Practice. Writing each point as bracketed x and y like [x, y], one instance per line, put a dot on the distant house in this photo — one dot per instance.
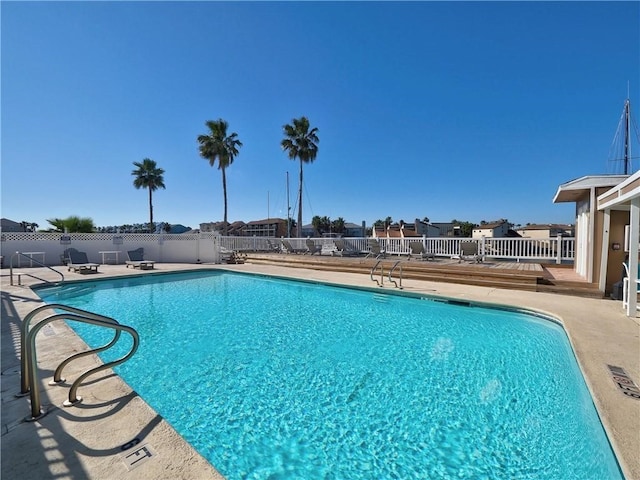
[499, 229]
[7, 225]
[354, 230]
[209, 227]
[350, 230]
[307, 230]
[269, 227]
[426, 229]
[447, 229]
[546, 231]
[418, 229]
[235, 229]
[177, 228]
[382, 231]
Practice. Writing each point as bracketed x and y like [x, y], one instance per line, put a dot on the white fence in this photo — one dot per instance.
[206, 247]
[48, 247]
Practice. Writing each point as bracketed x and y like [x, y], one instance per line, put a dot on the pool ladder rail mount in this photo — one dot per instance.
[393, 268]
[28, 363]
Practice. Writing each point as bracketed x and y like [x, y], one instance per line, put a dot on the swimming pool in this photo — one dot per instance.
[269, 378]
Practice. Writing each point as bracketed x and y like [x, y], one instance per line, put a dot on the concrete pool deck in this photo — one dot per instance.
[114, 434]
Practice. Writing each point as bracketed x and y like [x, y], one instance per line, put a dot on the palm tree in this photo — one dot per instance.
[73, 224]
[150, 176]
[217, 145]
[338, 225]
[300, 143]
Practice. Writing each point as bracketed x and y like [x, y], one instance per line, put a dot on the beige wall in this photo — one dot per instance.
[535, 233]
[616, 235]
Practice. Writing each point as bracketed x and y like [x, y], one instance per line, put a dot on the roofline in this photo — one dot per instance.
[586, 183]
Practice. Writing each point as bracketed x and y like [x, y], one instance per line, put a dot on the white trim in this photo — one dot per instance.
[592, 234]
[620, 198]
[634, 234]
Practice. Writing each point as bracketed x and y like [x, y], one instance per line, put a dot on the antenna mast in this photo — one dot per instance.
[627, 136]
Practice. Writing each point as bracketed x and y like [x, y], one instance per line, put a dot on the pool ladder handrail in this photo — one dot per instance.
[391, 270]
[18, 254]
[396, 264]
[29, 357]
[373, 269]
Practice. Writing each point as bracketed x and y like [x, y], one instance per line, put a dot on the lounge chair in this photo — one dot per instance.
[375, 249]
[233, 256]
[290, 249]
[274, 247]
[345, 249]
[78, 262]
[469, 251]
[136, 260]
[312, 248]
[417, 251]
[64, 258]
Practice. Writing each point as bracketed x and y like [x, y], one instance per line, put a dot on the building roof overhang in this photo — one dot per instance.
[576, 189]
[620, 196]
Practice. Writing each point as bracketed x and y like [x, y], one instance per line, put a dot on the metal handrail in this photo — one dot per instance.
[381, 282]
[31, 259]
[30, 373]
[399, 262]
[24, 330]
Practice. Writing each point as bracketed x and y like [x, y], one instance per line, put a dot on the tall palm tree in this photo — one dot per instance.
[300, 142]
[150, 176]
[217, 145]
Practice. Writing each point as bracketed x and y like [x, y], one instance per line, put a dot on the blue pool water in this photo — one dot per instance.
[277, 379]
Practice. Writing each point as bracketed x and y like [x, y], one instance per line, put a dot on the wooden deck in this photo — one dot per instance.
[497, 274]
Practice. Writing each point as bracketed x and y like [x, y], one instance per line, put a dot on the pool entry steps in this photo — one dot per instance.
[29, 363]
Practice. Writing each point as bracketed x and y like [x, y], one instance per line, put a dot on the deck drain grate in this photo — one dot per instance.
[624, 383]
[137, 456]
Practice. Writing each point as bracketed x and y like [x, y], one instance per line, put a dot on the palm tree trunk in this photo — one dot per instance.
[224, 190]
[151, 229]
[299, 226]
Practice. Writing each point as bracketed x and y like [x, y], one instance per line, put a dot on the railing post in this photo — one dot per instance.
[559, 247]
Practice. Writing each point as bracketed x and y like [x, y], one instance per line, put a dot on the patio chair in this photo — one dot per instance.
[64, 257]
[234, 256]
[290, 249]
[345, 249]
[469, 251]
[312, 248]
[136, 260]
[417, 251]
[273, 247]
[375, 249]
[78, 262]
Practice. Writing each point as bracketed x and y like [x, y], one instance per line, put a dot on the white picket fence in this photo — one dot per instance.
[47, 248]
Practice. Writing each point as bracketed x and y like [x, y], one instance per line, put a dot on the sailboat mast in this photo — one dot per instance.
[627, 136]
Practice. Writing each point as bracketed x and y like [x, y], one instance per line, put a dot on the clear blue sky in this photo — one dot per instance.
[473, 111]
